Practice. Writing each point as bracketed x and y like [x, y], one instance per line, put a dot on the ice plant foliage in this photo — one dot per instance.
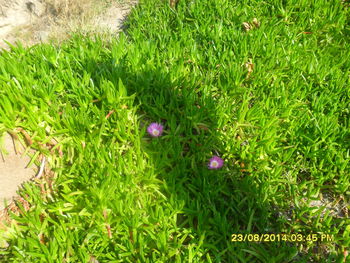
[155, 129]
[215, 162]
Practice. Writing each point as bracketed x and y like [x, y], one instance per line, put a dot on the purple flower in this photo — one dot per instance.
[155, 129]
[215, 162]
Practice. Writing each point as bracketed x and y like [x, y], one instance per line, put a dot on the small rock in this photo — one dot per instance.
[31, 7]
[35, 8]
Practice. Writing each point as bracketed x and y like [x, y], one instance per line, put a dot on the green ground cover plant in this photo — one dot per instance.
[271, 99]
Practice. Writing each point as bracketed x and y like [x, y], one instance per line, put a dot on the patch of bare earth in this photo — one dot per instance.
[14, 169]
[35, 21]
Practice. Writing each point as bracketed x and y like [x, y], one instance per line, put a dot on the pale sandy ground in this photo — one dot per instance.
[34, 21]
[13, 169]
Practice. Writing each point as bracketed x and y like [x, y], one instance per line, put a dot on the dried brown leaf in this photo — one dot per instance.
[246, 26]
[250, 67]
[255, 22]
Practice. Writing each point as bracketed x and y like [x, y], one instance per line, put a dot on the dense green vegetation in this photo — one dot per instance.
[272, 101]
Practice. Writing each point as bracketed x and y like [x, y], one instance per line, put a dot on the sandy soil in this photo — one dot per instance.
[37, 21]
[13, 169]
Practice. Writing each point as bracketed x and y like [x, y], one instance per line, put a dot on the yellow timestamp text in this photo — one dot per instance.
[282, 237]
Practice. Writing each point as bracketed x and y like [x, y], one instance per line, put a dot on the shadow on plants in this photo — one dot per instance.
[211, 205]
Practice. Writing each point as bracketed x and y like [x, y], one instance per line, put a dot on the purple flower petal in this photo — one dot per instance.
[215, 162]
[155, 129]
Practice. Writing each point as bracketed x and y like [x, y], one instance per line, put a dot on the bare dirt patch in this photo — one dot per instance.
[35, 21]
[14, 169]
